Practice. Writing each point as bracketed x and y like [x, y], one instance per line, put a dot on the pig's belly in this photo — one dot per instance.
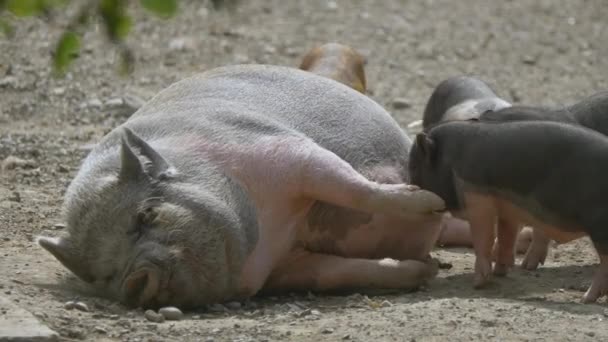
[561, 234]
[400, 238]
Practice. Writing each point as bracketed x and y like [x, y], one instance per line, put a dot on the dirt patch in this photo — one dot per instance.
[533, 51]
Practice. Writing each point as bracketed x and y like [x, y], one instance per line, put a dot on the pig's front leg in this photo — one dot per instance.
[481, 214]
[506, 233]
[304, 270]
[537, 250]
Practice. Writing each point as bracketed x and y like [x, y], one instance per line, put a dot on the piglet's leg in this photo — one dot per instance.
[304, 270]
[524, 240]
[328, 178]
[537, 251]
[481, 214]
[505, 246]
[599, 284]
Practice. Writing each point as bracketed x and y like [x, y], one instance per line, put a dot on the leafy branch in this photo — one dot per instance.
[113, 14]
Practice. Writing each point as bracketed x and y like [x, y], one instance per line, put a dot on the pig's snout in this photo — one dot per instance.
[148, 283]
[142, 286]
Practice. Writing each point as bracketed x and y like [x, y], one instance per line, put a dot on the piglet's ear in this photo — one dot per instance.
[62, 249]
[425, 144]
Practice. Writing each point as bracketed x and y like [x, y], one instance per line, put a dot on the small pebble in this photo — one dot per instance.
[233, 305]
[70, 305]
[58, 226]
[133, 101]
[100, 330]
[401, 103]
[346, 337]
[171, 313]
[152, 316]
[529, 60]
[94, 103]
[115, 102]
[327, 331]
[304, 313]
[12, 162]
[15, 197]
[217, 308]
[59, 91]
[181, 44]
[8, 81]
[315, 312]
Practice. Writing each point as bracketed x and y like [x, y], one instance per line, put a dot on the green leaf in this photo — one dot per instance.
[122, 26]
[117, 22]
[162, 8]
[67, 49]
[6, 28]
[25, 8]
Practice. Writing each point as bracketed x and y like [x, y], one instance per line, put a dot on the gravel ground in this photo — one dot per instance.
[548, 52]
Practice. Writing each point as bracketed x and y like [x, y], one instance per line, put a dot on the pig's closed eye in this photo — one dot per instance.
[143, 221]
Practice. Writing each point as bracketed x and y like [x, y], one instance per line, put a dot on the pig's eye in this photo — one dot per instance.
[147, 216]
[143, 221]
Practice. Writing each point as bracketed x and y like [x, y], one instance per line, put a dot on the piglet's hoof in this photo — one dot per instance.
[535, 256]
[483, 273]
[599, 285]
[501, 269]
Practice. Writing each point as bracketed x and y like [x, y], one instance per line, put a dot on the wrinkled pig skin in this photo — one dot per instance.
[544, 174]
[246, 178]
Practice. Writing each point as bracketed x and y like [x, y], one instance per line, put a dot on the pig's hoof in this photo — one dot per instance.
[483, 273]
[422, 201]
[405, 198]
[414, 274]
[599, 286]
[533, 258]
[501, 269]
[593, 293]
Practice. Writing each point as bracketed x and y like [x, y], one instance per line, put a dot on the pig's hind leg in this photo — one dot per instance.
[537, 250]
[303, 270]
[599, 283]
[327, 177]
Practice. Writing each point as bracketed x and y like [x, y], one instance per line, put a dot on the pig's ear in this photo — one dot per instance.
[159, 168]
[131, 168]
[64, 251]
[426, 145]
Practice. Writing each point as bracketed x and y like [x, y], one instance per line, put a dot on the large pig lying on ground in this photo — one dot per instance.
[549, 175]
[248, 178]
